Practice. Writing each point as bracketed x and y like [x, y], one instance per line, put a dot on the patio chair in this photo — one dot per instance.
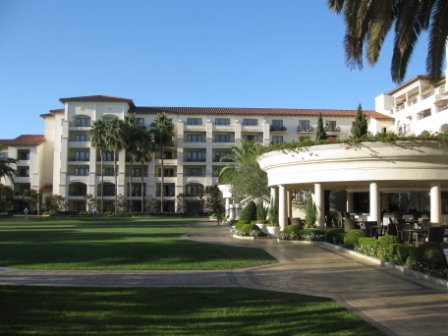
[434, 235]
[367, 227]
[328, 221]
[398, 214]
[295, 221]
[391, 228]
[349, 224]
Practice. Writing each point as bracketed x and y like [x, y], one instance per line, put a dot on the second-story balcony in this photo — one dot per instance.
[78, 159]
[194, 159]
[275, 128]
[309, 129]
[332, 129]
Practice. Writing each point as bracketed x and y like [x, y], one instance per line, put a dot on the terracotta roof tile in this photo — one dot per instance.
[98, 98]
[254, 111]
[24, 140]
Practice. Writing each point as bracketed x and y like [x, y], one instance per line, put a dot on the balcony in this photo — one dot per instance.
[78, 159]
[332, 129]
[167, 194]
[309, 129]
[274, 128]
[189, 159]
[218, 159]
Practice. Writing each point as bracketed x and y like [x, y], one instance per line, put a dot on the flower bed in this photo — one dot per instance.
[304, 235]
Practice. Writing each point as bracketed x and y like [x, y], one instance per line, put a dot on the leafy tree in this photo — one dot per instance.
[162, 130]
[90, 201]
[310, 212]
[213, 201]
[320, 134]
[55, 203]
[115, 143]
[181, 204]
[243, 172]
[360, 127]
[31, 198]
[6, 168]
[6, 198]
[368, 22]
[98, 140]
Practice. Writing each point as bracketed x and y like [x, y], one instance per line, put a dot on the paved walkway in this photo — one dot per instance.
[395, 303]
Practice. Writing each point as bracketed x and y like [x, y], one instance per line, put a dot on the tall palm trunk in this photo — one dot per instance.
[161, 181]
[116, 179]
[130, 191]
[142, 199]
[102, 178]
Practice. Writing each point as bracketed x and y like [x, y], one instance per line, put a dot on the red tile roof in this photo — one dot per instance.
[98, 98]
[47, 188]
[256, 112]
[24, 140]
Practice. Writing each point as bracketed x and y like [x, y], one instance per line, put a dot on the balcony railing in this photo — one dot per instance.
[78, 124]
[78, 159]
[308, 129]
[137, 194]
[331, 128]
[195, 175]
[166, 175]
[77, 193]
[218, 159]
[168, 194]
[274, 128]
[145, 174]
[195, 159]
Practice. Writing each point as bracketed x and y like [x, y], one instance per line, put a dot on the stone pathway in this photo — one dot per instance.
[396, 303]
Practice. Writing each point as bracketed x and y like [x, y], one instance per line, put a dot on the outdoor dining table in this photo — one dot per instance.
[415, 232]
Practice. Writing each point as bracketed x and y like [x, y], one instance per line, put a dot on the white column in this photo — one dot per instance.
[289, 200]
[282, 207]
[350, 208]
[319, 202]
[436, 203]
[273, 194]
[227, 214]
[375, 211]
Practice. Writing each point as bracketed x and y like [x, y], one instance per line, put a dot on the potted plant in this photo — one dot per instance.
[273, 226]
[310, 213]
[262, 213]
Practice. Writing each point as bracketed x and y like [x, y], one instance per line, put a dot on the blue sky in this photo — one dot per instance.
[221, 53]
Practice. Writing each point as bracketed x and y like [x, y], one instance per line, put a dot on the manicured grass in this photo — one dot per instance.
[172, 311]
[131, 245]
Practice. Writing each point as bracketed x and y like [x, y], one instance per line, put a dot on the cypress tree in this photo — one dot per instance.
[321, 134]
[360, 126]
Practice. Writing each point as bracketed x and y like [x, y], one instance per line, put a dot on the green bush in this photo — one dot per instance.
[331, 234]
[351, 238]
[383, 251]
[367, 246]
[239, 225]
[430, 255]
[291, 229]
[250, 212]
[401, 254]
[247, 228]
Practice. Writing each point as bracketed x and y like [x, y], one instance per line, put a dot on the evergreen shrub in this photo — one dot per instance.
[331, 234]
[250, 212]
[351, 238]
[430, 255]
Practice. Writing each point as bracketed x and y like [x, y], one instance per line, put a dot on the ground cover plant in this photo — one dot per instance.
[172, 311]
[118, 244]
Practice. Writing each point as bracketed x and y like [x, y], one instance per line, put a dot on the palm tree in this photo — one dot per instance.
[6, 168]
[132, 131]
[114, 144]
[368, 22]
[162, 130]
[244, 173]
[98, 140]
[144, 149]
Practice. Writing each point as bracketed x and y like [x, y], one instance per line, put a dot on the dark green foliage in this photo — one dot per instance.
[308, 232]
[351, 238]
[367, 246]
[360, 127]
[331, 234]
[273, 212]
[250, 212]
[247, 228]
[402, 253]
[239, 225]
[320, 134]
[291, 229]
[431, 255]
[383, 246]
[262, 211]
[310, 212]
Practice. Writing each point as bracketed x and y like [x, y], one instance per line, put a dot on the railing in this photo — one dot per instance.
[78, 159]
[166, 175]
[305, 129]
[77, 193]
[332, 128]
[79, 174]
[83, 124]
[105, 159]
[217, 159]
[195, 175]
[168, 194]
[106, 174]
[197, 141]
[195, 159]
[139, 194]
[277, 128]
[137, 175]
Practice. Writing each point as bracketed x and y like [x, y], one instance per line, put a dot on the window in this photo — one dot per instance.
[109, 190]
[195, 156]
[195, 138]
[194, 121]
[250, 137]
[277, 139]
[277, 125]
[136, 189]
[194, 190]
[108, 172]
[219, 155]
[108, 156]
[108, 119]
[167, 172]
[304, 125]
[82, 122]
[168, 155]
[195, 172]
[24, 172]
[330, 126]
[81, 171]
[222, 121]
[82, 137]
[222, 138]
[23, 155]
[140, 121]
[79, 189]
[250, 122]
[82, 156]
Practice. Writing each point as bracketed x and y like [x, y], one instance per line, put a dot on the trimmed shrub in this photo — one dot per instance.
[383, 246]
[247, 228]
[351, 238]
[402, 254]
[367, 246]
[250, 212]
[430, 255]
[292, 229]
[331, 234]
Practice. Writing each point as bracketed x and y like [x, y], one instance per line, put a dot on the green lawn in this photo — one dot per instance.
[119, 244]
[172, 311]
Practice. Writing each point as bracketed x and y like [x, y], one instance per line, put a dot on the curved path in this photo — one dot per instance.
[396, 303]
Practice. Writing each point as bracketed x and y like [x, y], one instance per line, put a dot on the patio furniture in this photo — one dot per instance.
[367, 226]
[349, 224]
[391, 228]
[398, 215]
[414, 234]
[434, 235]
[295, 221]
[433, 224]
[328, 221]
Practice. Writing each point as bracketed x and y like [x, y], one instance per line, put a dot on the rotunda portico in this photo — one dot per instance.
[374, 167]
